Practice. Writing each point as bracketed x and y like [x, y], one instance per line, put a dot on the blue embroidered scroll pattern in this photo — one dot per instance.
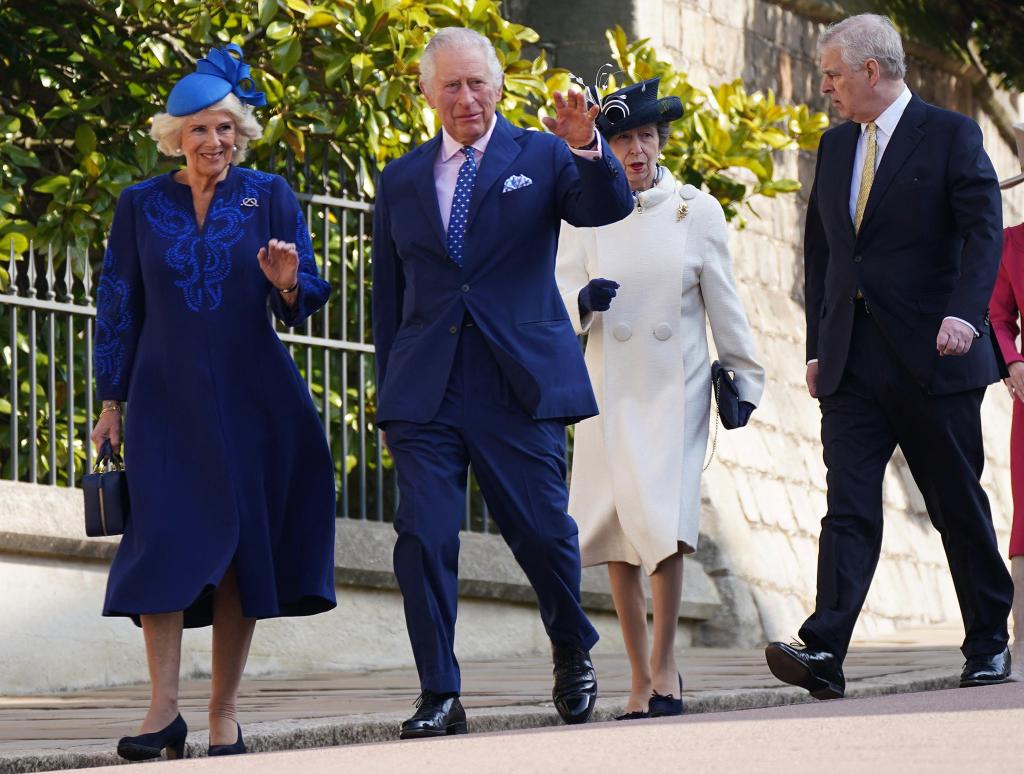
[204, 259]
[113, 321]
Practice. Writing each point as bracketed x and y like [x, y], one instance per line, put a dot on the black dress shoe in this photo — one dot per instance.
[147, 746]
[575, 689]
[436, 715]
[986, 670]
[818, 671]
[235, 748]
[661, 706]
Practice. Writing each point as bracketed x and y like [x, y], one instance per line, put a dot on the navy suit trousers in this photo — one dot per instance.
[519, 463]
[878, 406]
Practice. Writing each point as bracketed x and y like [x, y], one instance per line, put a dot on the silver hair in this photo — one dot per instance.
[166, 129]
[459, 38]
[867, 36]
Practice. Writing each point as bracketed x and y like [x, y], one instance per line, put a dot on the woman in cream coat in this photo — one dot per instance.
[635, 487]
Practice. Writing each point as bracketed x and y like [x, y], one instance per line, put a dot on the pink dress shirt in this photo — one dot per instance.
[450, 158]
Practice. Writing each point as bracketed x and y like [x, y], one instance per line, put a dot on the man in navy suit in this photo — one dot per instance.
[901, 250]
[477, 361]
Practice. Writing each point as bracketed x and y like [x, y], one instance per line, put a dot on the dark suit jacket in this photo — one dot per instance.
[506, 283]
[928, 248]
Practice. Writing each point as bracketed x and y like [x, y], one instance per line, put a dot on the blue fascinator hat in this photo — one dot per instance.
[222, 72]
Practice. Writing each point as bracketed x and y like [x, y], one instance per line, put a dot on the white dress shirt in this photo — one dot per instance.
[886, 124]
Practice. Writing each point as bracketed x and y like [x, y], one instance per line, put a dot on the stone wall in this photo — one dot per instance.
[53, 581]
[765, 494]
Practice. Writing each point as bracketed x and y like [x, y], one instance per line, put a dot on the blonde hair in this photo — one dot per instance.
[166, 129]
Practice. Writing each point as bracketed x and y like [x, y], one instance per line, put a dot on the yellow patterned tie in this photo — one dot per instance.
[867, 175]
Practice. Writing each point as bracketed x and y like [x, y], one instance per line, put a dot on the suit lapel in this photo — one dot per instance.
[502, 150]
[907, 135]
[422, 171]
[841, 170]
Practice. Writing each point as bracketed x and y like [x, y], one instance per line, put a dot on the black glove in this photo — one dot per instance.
[746, 409]
[597, 296]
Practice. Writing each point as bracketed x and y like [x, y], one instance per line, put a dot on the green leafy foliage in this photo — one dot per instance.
[727, 136]
[993, 28]
[83, 78]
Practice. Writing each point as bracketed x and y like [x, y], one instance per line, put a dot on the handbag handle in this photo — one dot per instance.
[108, 460]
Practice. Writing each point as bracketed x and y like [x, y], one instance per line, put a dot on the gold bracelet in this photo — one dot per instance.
[112, 407]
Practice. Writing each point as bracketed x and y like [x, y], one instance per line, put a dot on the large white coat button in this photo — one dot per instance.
[622, 332]
[687, 191]
[663, 331]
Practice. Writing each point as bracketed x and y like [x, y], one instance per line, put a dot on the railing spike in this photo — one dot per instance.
[12, 273]
[51, 276]
[32, 269]
[69, 276]
[87, 278]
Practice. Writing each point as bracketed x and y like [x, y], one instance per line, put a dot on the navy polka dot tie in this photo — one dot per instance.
[460, 205]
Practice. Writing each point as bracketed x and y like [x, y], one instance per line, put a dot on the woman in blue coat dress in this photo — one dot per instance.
[231, 481]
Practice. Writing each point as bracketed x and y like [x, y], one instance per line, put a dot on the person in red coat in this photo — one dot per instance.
[1006, 310]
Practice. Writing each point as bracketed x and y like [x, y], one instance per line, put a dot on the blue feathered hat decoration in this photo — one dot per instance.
[222, 72]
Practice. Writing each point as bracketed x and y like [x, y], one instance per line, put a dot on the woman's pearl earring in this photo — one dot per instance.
[234, 147]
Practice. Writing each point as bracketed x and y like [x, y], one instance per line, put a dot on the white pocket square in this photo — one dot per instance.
[516, 182]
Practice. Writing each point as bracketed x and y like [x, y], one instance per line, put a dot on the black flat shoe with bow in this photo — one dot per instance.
[145, 747]
[235, 748]
[661, 706]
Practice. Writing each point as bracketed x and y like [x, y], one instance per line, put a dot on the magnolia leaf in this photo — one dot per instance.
[12, 240]
[85, 139]
[268, 10]
[280, 30]
[51, 184]
[321, 19]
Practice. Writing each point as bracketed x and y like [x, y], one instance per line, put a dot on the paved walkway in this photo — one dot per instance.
[78, 729]
[936, 732]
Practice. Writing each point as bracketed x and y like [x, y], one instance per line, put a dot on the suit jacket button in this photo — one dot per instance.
[622, 332]
[858, 258]
[453, 329]
[663, 331]
[465, 288]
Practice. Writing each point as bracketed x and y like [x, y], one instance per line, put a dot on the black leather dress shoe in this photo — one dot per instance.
[817, 671]
[575, 690]
[436, 715]
[986, 670]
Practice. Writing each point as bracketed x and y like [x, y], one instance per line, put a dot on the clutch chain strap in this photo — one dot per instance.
[714, 441]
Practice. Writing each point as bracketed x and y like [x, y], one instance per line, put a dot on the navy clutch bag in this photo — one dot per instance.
[727, 397]
[106, 495]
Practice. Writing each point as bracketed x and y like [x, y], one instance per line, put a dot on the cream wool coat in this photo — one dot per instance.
[635, 487]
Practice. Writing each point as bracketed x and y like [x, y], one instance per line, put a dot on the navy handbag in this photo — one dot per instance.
[106, 495]
[726, 396]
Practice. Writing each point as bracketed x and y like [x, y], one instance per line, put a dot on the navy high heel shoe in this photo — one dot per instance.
[145, 747]
[662, 706]
[237, 748]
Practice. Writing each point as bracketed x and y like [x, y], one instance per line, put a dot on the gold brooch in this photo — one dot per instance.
[682, 210]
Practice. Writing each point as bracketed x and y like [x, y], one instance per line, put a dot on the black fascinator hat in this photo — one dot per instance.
[631, 106]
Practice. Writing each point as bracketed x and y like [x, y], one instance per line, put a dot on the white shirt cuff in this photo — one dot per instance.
[950, 317]
[815, 360]
[593, 153]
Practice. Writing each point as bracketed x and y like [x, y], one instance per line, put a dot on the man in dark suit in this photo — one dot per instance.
[477, 361]
[901, 250]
